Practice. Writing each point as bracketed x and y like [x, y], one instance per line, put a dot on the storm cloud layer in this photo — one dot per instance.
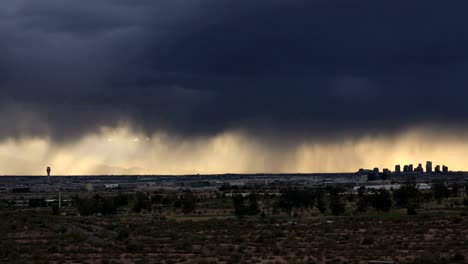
[189, 68]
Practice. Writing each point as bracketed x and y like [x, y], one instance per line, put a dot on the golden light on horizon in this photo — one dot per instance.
[123, 151]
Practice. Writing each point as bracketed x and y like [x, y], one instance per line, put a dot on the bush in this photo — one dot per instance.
[134, 246]
[381, 200]
[411, 211]
[8, 250]
[458, 257]
[368, 241]
[122, 234]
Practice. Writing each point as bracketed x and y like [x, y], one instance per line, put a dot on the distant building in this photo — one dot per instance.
[406, 168]
[437, 169]
[420, 168]
[397, 168]
[429, 167]
[444, 169]
[376, 170]
[386, 171]
[410, 168]
[111, 186]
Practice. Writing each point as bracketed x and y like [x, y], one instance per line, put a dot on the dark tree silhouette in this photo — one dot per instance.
[141, 201]
[320, 200]
[337, 205]
[239, 206]
[288, 201]
[363, 201]
[381, 200]
[408, 196]
[188, 203]
[253, 204]
[440, 190]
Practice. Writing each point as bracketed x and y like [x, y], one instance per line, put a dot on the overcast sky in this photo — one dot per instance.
[279, 73]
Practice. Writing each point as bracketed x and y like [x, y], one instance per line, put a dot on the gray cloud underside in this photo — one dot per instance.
[200, 67]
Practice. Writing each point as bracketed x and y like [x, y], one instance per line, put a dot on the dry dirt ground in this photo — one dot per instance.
[36, 236]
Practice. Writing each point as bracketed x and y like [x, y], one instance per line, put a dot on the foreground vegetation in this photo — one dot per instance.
[296, 225]
[35, 236]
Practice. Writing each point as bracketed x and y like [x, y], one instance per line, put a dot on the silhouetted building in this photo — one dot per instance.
[406, 168]
[410, 168]
[437, 169]
[419, 168]
[376, 170]
[397, 168]
[428, 166]
[386, 171]
[444, 169]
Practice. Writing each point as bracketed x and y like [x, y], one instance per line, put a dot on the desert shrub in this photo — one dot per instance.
[55, 209]
[122, 234]
[53, 248]
[134, 246]
[440, 190]
[185, 245]
[78, 236]
[141, 201]
[8, 250]
[381, 200]
[188, 203]
[368, 241]
[458, 257]
[108, 207]
[336, 205]
[411, 211]
[235, 258]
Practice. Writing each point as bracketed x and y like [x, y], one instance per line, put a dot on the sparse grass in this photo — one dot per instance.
[40, 237]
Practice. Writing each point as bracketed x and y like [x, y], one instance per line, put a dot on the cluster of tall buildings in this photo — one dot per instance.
[420, 169]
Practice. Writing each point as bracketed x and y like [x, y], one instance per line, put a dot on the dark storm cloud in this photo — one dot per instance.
[198, 67]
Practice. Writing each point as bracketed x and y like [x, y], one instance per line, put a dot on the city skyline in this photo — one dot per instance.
[89, 156]
[188, 86]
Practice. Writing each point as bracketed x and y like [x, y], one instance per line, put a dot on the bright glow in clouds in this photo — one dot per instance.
[122, 151]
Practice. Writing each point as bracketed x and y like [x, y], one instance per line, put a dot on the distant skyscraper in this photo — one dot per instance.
[419, 168]
[410, 168]
[376, 170]
[444, 169]
[406, 168]
[429, 167]
[397, 168]
[437, 169]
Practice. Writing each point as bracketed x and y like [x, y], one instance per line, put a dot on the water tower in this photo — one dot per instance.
[48, 174]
